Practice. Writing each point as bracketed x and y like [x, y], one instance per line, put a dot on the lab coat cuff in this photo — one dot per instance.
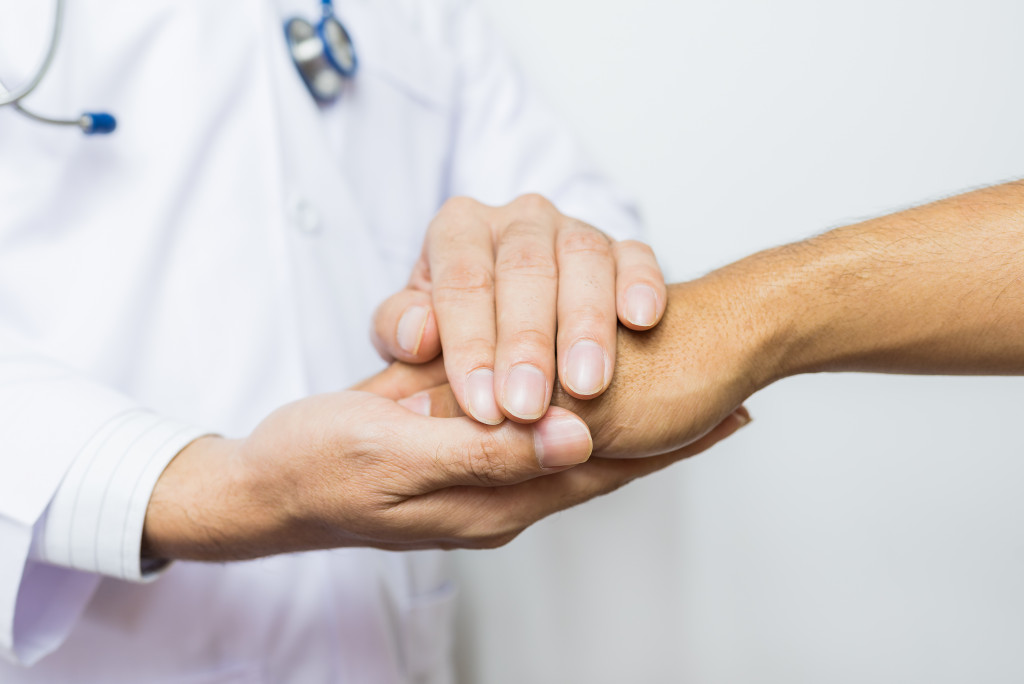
[94, 522]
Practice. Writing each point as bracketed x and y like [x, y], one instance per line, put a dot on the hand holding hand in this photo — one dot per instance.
[672, 385]
[357, 469]
[501, 288]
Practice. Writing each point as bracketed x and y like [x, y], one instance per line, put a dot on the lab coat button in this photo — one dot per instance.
[304, 216]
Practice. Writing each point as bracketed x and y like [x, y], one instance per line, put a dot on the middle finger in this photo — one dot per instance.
[526, 295]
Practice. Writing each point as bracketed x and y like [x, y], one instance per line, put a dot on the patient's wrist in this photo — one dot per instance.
[788, 306]
[770, 314]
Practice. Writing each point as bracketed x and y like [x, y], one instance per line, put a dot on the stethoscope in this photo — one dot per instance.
[323, 54]
[91, 123]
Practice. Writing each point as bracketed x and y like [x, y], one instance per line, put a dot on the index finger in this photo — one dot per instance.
[461, 259]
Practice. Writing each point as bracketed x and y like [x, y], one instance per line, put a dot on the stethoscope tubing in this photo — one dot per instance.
[102, 122]
[14, 97]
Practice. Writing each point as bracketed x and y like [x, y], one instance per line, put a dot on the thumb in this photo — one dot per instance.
[405, 328]
[461, 451]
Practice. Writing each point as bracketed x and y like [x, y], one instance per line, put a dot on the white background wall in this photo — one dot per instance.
[863, 528]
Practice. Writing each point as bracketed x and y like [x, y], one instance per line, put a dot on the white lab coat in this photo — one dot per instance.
[220, 255]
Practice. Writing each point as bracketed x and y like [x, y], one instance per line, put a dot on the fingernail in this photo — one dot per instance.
[742, 419]
[641, 306]
[410, 328]
[585, 368]
[561, 440]
[417, 403]
[480, 397]
[526, 392]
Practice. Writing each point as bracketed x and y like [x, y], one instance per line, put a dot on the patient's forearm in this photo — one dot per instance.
[936, 289]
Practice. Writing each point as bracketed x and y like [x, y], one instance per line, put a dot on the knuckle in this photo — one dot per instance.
[525, 252]
[593, 321]
[458, 217]
[471, 352]
[459, 206]
[627, 280]
[640, 275]
[531, 232]
[584, 242]
[525, 262]
[530, 338]
[534, 203]
[463, 279]
[640, 249]
[487, 462]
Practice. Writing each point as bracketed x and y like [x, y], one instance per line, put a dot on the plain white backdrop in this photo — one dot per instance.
[863, 528]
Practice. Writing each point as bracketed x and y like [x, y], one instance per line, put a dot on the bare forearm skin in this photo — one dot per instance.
[205, 507]
[938, 289]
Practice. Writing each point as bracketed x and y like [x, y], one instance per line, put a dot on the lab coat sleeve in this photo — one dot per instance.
[78, 462]
[509, 142]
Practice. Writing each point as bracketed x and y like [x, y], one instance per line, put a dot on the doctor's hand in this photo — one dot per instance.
[357, 468]
[502, 288]
[674, 384]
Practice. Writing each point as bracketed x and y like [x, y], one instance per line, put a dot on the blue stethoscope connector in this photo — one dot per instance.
[98, 123]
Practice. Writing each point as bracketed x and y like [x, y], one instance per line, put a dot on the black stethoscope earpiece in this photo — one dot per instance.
[323, 54]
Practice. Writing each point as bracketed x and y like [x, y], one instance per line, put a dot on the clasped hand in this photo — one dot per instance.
[511, 294]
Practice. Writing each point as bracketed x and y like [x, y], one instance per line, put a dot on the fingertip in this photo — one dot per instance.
[742, 416]
[410, 329]
[729, 426]
[405, 328]
[416, 338]
[430, 340]
[642, 294]
[526, 393]
[641, 308]
[480, 403]
[417, 403]
[661, 291]
[382, 349]
[561, 439]
[588, 369]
